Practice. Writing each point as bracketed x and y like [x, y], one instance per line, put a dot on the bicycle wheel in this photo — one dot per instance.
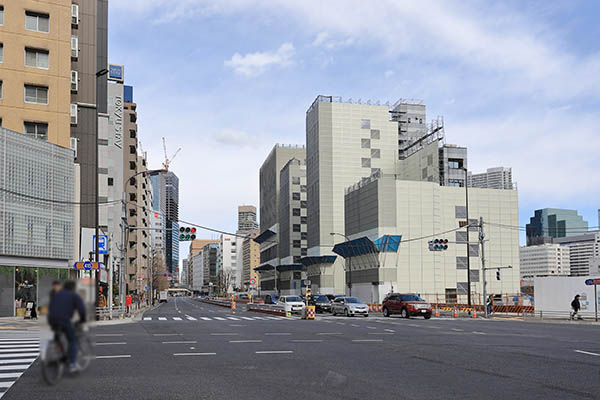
[53, 365]
[85, 352]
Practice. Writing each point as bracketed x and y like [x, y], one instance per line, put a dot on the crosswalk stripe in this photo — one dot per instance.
[5, 345]
[14, 367]
[191, 318]
[147, 318]
[233, 318]
[206, 319]
[21, 346]
[20, 355]
[17, 353]
[6, 384]
[18, 360]
[177, 318]
[162, 319]
[219, 318]
[247, 318]
[10, 375]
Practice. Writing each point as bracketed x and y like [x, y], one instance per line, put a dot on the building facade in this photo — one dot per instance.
[251, 260]
[493, 178]
[247, 218]
[292, 212]
[550, 223]
[544, 260]
[584, 252]
[172, 218]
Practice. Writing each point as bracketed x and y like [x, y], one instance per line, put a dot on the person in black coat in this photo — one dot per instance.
[576, 306]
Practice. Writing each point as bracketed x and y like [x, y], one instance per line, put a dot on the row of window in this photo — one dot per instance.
[40, 58]
[40, 22]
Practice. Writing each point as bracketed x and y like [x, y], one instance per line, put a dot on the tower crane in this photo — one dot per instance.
[168, 160]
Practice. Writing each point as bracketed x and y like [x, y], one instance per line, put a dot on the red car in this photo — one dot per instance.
[407, 305]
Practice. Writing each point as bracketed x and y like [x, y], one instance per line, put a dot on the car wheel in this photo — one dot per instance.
[366, 315]
[333, 312]
[427, 316]
[346, 313]
[386, 312]
[405, 313]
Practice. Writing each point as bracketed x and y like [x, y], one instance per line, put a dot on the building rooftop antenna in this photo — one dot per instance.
[168, 160]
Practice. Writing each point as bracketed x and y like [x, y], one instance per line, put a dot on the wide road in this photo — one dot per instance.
[190, 350]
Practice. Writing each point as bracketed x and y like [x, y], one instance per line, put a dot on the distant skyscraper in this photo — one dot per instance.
[493, 178]
[551, 223]
[247, 218]
[165, 186]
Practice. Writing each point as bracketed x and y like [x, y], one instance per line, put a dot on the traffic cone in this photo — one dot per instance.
[455, 315]
[474, 313]
[437, 312]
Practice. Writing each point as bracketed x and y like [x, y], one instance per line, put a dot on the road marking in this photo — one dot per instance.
[277, 334]
[162, 319]
[433, 327]
[17, 349]
[354, 325]
[191, 319]
[10, 375]
[219, 318]
[194, 354]
[13, 367]
[108, 344]
[587, 352]
[340, 323]
[6, 385]
[206, 319]
[223, 334]
[275, 352]
[389, 330]
[277, 318]
[260, 318]
[233, 318]
[19, 360]
[21, 346]
[307, 341]
[413, 325]
[371, 327]
[236, 325]
[380, 333]
[330, 333]
[147, 318]
[167, 334]
[177, 318]
[20, 355]
[179, 311]
[109, 334]
[247, 318]
[367, 340]
[458, 330]
[116, 356]
[181, 342]
[479, 333]
[245, 341]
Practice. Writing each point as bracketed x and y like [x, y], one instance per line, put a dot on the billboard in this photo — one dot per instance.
[115, 72]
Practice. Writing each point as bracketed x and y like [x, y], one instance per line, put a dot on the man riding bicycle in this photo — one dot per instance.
[62, 307]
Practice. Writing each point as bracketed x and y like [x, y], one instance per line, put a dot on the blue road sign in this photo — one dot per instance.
[102, 244]
[147, 287]
[87, 265]
[591, 282]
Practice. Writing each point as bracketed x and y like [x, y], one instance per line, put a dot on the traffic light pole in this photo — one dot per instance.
[482, 242]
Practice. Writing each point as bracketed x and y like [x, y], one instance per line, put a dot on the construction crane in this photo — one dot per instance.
[168, 160]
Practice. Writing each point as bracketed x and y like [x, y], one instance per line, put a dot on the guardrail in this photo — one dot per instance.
[217, 302]
[266, 308]
[117, 312]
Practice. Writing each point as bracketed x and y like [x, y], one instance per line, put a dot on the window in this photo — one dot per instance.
[303, 252]
[303, 220]
[296, 196]
[303, 204]
[375, 153]
[1, 15]
[365, 143]
[132, 117]
[303, 188]
[74, 14]
[0, 92]
[36, 94]
[1, 52]
[131, 149]
[73, 114]
[132, 165]
[454, 163]
[460, 212]
[304, 236]
[456, 182]
[375, 134]
[366, 162]
[74, 46]
[38, 130]
[474, 275]
[295, 180]
[74, 81]
[296, 212]
[296, 227]
[36, 58]
[461, 237]
[37, 22]
[132, 134]
[110, 181]
[473, 250]
[365, 123]
[296, 244]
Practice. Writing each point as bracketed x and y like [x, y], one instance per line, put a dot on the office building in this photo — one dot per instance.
[184, 273]
[195, 274]
[384, 216]
[250, 260]
[246, 218]
[228, 258]
[36, 239]
[550, 223]
[211, 268]
[493, 178]
[584, 252]
[172, 217]
[453, 163]
[544, 260]
[292, 212]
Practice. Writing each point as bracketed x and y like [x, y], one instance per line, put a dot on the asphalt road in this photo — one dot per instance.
[200, 351]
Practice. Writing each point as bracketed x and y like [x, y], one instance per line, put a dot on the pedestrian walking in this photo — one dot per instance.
[490, 304]
[576, 306]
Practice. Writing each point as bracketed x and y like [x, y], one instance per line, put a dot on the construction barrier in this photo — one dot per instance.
[233, 305]
[310, 312]
[266, 309]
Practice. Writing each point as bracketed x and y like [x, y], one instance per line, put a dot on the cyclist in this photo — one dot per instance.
[62, 307]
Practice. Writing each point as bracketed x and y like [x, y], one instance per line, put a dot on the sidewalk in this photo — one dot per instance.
[18, 323]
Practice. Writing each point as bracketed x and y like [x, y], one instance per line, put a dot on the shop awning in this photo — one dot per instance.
[264, 267]
[356, 247]
[306, 261]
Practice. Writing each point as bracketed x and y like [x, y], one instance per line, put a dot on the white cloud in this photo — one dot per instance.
[236, 138]
[327, 41]
[389, 73]
[254, 64]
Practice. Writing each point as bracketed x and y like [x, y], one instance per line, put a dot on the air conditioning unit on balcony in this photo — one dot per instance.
[74, 14]
[73, 114]
[74, 81]
[74, 46]
[73, 145]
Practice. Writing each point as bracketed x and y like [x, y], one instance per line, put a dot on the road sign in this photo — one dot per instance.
[592, 282]
[86, 265]
[252, 281]
[462, 224]
[306, 282]
[102, 244]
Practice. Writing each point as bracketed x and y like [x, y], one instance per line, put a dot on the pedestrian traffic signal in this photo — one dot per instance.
[438, 244]
[498, 275]
[187, 233]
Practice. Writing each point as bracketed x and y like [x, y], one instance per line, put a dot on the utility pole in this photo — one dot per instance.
[468, 240]
[482, 243]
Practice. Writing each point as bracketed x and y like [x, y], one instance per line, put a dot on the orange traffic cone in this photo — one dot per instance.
[455, 315]
[474, 313]
[437, 312]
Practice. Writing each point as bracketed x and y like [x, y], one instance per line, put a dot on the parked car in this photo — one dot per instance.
[293, 304]
[271, 298]
[349, 306]
[321, 303]
[406, 305]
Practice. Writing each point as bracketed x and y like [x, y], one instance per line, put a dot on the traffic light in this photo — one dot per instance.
[438, 244]
[187, 233]
[498, 275]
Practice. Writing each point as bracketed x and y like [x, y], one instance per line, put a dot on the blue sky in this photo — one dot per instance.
[518, 83]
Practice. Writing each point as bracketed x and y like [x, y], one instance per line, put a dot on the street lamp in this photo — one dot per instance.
[349, 284]
[468, 241]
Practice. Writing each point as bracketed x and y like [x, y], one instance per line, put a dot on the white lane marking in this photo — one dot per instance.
[354, 325]
[223, 334]
[206, 319]
[147, 318]
[19, 355]
[380, 333]
[167, 334]
[109, 344]
[6, 385]
[245, 341]
[587, 352]
[10, 375]
[389, 330]
[177, 318]
[17, 349]
[162, 319]
[260, 318]
[13, 367]
[194, 354]
[181, 342]
[219, 318]
[307, 341]
[19, 360]
[277, 333]
[191, 319]
[433, 327]
[330, 333]
[340, 323]
[479, 333]
[458, 330]
[371, 327]
[109, 334]
[116, 356]
[236, 325]
[21, 346]
[275, 352]
[276, 318]
[367, 340]
[247, 318]
[413, 325]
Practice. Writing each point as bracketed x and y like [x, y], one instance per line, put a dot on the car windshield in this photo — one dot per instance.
[292, 298]
[352, 300]
[321, 299]
[411, 297]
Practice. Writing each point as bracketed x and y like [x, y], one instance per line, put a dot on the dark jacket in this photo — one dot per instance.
[63, 306]
[576, 305]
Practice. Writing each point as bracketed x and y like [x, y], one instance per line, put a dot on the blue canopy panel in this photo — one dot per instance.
[290, 267]
[264, 236]
[306, 261]
[356, 247]
[388, 243]
[264, 267]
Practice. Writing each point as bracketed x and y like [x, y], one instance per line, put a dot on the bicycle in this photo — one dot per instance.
[54, 357]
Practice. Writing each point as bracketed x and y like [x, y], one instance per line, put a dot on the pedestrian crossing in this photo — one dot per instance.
[18, 350]
[213, 319]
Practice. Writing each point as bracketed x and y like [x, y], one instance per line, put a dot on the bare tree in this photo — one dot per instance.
[224, 281]
[159, 272]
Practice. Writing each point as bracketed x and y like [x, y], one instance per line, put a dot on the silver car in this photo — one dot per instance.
[349, 306]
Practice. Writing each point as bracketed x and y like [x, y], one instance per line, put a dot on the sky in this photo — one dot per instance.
[517, 83]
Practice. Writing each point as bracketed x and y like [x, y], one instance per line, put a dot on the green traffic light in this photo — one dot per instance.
[181, 237]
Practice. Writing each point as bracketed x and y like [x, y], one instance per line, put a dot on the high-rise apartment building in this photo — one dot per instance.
[493, 178]
[549, 223]
[172, 216]
[292, 212]
[544, 260]
[250, 260]
[584, 252]
[247, 218]
[210, 267]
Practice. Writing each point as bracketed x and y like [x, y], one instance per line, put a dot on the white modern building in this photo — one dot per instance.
[544, 260]
[197, 271]
[386, 207]
[584, 253]
[493, 178]
[228, 260]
